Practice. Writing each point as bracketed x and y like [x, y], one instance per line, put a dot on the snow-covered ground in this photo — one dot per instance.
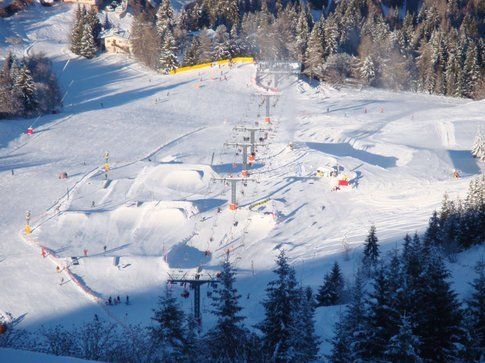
[158, 210]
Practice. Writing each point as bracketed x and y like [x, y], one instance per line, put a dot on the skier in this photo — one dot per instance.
[110, 301]
[12, 171]
[43, 253]
[104, 248]
[85, 252]
[92, 204]
[62, 280]
[127, 302]
[118, 300]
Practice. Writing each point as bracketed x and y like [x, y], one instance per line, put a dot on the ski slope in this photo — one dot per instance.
[160, 209]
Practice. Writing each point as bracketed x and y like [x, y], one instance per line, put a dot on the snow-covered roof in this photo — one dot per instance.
[115, 32]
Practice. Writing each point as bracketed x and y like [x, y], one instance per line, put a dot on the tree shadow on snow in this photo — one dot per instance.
[183, 256]
[345, 149]
[464, 161]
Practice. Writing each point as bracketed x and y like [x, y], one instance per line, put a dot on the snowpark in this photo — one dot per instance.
[163, 204]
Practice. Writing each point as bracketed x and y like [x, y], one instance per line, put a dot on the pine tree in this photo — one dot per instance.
[348, 344]
[205, 46]
[304, 343]
[402, 347]
[302, 33]
[227, 340]
[383, 311]
[78, 30]
[93, 20]
[280, 304]
[88, 45]
[169, 333]
[330, 293]
[235, 43]
[164, 19]
[6, 86]
[438, 320]
[371, 249]
[314, 53]
[24, 84]
[367, 70]
[192, 55]
[431, 237]
[191, 348]
[222, 45]
[475, 314]
[478, 148]
[168, 59]
[454, 69]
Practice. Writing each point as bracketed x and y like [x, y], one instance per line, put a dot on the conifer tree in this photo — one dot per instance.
[88, 45]
[478, 148]
[330, 293]
[348, 344]
[93, 20]
[168, 332]
[168, 59]
[6, 86]
[475, 314]
[314, 53]
[438, 321]
[402, 347]
[25, 86]
[280, 304]
[367, 70]
[205, 46]
[302, 33]
[304, 343]
[192, 55]
[222, 45]
[164, 19]
[431, 237]
[78, 30]
[227, 340]
[383, 313]
[371, 249]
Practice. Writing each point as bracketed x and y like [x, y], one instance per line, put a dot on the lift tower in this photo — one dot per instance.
[195, 282]
[252, 135]
[233, 181]
[245, 147]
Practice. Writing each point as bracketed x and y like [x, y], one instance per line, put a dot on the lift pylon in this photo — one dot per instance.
[245, 147]
[252, 135]
[195, 281]
[233, 181]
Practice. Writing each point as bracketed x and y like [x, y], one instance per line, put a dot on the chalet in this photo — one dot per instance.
[88, 3]
[117, 41]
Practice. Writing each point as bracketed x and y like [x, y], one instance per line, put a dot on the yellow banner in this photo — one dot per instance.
[238, 60]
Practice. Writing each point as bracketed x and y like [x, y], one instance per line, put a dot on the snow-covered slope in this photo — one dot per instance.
[159, 210]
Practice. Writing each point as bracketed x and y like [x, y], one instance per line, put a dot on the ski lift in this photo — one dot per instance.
[185, 294]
